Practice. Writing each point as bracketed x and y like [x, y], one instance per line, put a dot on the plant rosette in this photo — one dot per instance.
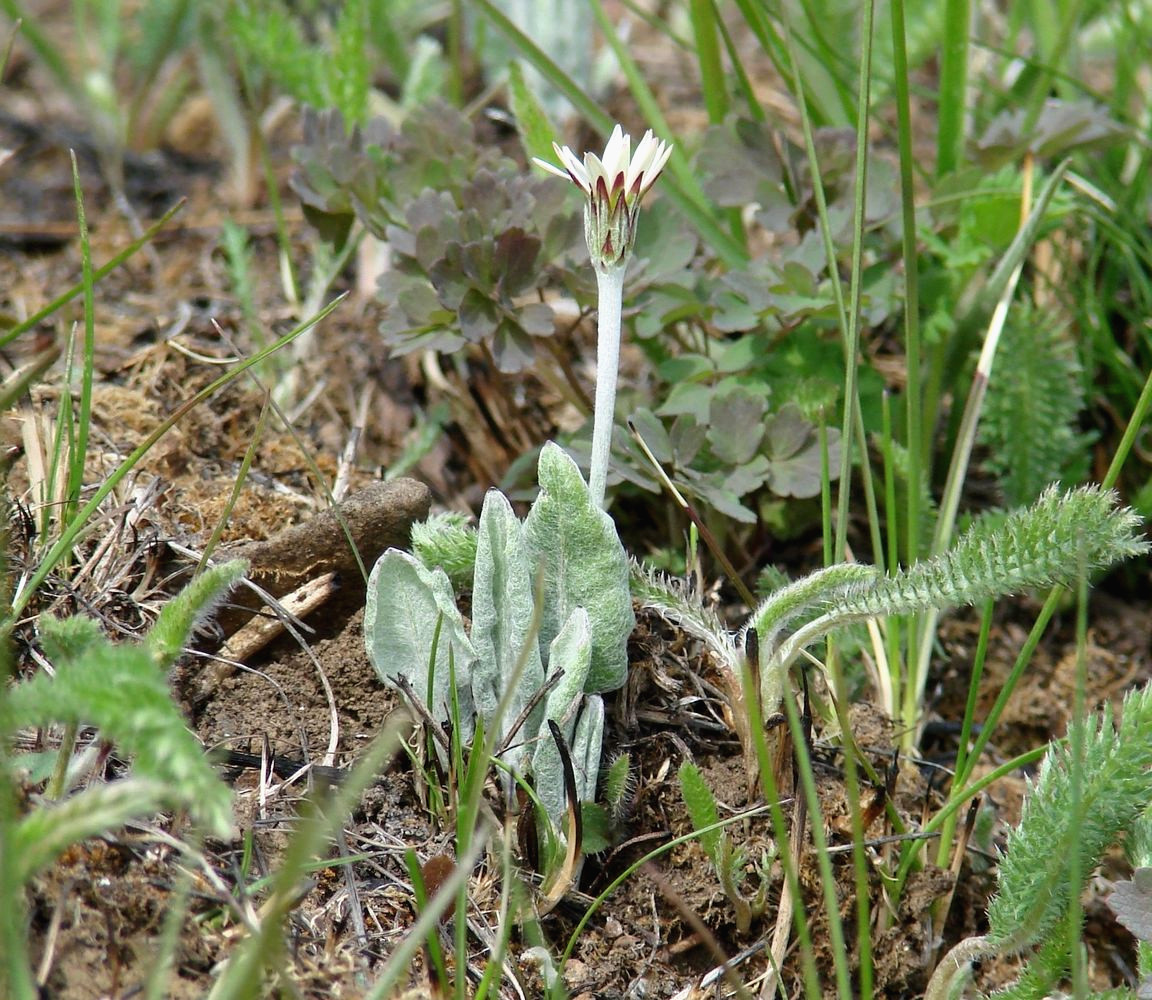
[551, 612]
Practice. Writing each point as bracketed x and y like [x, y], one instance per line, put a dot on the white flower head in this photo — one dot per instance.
[613, 186]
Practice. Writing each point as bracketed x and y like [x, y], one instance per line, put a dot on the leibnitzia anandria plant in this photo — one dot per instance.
[551, 616]
[551, 608]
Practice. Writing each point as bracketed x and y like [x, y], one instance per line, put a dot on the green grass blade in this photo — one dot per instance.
[69, 535]
[87, 283]
[913, 399]
[20, 328]
[953, 101]
[705, 30]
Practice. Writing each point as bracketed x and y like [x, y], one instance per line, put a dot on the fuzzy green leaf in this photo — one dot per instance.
[1043, 393]
[1059, 823]
[404, 604]
[794, 600]
[117, 688]
[1052, 542]
[677, 602]
[571, 653]
[702, 809]
[576, 547]
[503, 621]
[46, 832]
[181, 615]
[447, 541]
[587, 745]
[618, 786]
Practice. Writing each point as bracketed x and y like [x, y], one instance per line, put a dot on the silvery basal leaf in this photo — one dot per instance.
[587, 744]
[571, 653]
[575, 545]
[502, 621]
[404, 604]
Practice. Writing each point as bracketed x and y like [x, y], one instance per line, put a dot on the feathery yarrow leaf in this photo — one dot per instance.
[676, 602]
[447, 540]
[1054, 541]
[117, 688]
[802, 596]
[1114, 787]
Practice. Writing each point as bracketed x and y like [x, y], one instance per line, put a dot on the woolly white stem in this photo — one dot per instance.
[610, 286]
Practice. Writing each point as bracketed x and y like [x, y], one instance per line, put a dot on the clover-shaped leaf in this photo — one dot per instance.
[1061, 127]
[793, 448]
[735, 424]
[1131, 901]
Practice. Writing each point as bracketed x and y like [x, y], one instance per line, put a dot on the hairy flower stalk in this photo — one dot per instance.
[613, 187]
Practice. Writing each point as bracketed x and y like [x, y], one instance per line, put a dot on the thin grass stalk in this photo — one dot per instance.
[1004, 279]
[952, 111]
[7, 53]
[1136, 424]
[1052, 26]
[703, 17]
[913, 396]
[860, 863]
[1023, 658]
[852, 344]
[851, 410]
[707, 29]
[1076, 788]
[84, 423]
[956, 802]
[825, 69]
[54, 484]
[949, 830]
[400, 960]
[743, 81]
[844, 320]
[807, 775]
[852, 414]
[494, 969]
[868, 481]
[68, 536]
[894, 625]
[420, 897]
[950, 502]
[771, 795]
[755, 17]
[654, 855]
